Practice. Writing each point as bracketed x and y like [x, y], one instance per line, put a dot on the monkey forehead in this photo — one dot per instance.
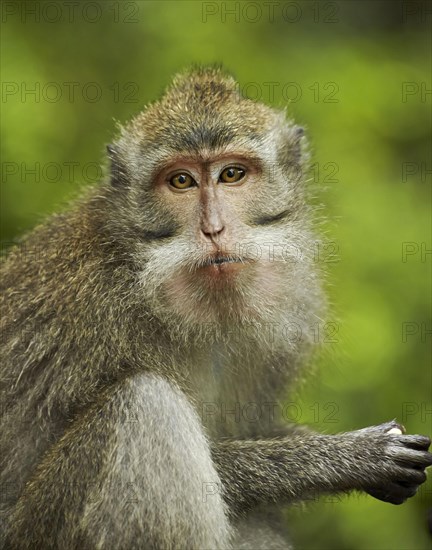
[192, 127]
[205, 133]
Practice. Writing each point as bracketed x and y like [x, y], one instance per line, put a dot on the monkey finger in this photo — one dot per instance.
[420, 442]
[409, 476]
[405, 455]
[394, 492]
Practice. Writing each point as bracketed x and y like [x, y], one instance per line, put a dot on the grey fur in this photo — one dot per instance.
[120, 397]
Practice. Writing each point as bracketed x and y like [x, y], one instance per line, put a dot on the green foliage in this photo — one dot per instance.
[345, 72]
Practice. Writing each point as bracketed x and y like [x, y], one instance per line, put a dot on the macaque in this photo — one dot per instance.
[141, 324]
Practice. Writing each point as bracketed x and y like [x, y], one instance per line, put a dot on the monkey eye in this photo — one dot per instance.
[231, 174]
[182, 181]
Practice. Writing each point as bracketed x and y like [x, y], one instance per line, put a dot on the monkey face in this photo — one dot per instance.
[214, 193]
[229, 240]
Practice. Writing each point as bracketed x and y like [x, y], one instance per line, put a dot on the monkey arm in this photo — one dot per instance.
[304, 464]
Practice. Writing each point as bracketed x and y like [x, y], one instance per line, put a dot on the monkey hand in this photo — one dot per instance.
[402, 462]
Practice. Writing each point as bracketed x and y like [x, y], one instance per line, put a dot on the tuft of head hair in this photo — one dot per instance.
[202, 106]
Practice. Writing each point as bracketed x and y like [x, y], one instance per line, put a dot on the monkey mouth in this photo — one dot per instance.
[222, 267]
[219, 259]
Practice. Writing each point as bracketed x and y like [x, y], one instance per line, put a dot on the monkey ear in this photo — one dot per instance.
[293, 153]
[299, 132]
[118, 173]
[298, 145]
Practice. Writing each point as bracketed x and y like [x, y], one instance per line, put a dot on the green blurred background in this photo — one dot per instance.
[356, 75]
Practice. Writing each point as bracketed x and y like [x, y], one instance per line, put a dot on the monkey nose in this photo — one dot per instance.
[212, 222]
[212, 230]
